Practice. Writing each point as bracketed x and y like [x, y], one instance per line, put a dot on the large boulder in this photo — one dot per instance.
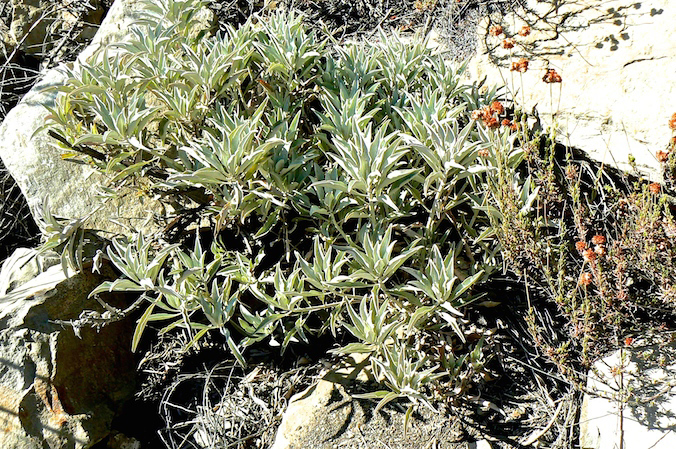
[36, 164]
[617, 59]
[59, 390]
[69, 189]
[630, 400]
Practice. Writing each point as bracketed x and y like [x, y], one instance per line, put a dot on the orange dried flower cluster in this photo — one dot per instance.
[524, 31]
[628, 341]
[662, 156]
[497, 107]
[580, 246]
[487, 114]
[589, 255]
[509, 124]
[654, 188]
[672, 122]
[484, 152]
[508, 43]
[520, 66]
[495, 30]
[598, 240]
[492, 123]
[585, 279]
[552, 77]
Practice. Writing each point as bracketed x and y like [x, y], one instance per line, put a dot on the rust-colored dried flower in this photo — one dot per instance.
[520, 66]
[484, 152]
[524, 31]
[600, 250]
[506, 122]
[514, 126]
[508, 43]
[672, 122]
[598, 240]
[492, 123]
[476, 115]
[580, 246]
[495, 30]
[662, 156]
[497, 107]
[628, 341]
[552, 77]
[585, 279]
[654, 187]
[589, 255]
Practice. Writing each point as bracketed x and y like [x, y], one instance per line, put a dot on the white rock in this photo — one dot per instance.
[647, 417]
[617, 59]
[480, 444]
[36, 164]
[302, 413]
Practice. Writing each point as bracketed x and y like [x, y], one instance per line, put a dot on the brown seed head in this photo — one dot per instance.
[598, 240]
[654, 188]
[495, 30]
[662, 156]
[672, 122]
[520, 66]
[508, 43]
[524, 31]
[492, 123]
[552, 77]
[580, 246]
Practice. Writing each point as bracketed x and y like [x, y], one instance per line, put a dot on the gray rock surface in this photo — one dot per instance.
[632, 399]
[617, 59]
[35, 162]
[34, 24]
[23, 265]
[58, 390]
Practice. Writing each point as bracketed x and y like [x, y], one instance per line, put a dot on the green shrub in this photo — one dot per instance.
[340, 187]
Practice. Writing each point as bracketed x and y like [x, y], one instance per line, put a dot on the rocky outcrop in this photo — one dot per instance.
[35, 162]
[58, 390]
[617, 60]
[630, 398]
[38, 26]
